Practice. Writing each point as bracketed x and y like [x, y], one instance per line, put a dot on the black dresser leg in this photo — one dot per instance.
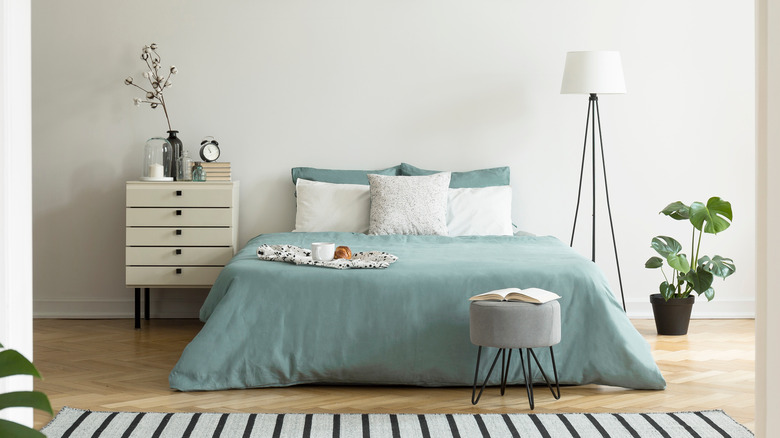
[146, 303]
[138, 307]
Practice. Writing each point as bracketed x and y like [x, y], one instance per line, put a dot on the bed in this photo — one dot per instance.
[278, 324]
[270, 324]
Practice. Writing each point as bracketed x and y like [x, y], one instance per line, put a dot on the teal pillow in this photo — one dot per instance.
[496, 176]
[335, 176]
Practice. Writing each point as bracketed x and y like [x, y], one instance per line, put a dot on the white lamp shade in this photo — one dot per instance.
[599, 72]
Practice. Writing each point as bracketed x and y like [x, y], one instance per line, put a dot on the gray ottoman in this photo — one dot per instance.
[511, 324]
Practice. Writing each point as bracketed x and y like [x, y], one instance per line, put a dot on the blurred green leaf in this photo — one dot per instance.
[26, 399]
[10, 429]
[12, 363]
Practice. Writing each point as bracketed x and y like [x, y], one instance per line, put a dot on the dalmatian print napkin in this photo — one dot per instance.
[302, 256]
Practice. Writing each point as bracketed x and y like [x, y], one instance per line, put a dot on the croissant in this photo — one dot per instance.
[343, 252]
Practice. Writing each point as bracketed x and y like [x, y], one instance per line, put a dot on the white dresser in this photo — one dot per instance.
[178, 235]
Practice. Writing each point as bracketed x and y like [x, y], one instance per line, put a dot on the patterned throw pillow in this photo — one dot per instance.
[409, 204]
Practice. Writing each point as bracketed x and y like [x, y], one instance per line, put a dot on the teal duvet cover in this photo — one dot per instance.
[277, 324]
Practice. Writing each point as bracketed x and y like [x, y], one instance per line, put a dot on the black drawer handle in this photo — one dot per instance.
[178, 232]
[178, 212]
[178, 192]
[178, 270]
[178, 251]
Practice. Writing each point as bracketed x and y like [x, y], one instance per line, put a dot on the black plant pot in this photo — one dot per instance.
[672, 317]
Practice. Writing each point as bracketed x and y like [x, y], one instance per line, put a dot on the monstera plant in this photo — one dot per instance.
[672, 306]
[696, 275]
[13, 363]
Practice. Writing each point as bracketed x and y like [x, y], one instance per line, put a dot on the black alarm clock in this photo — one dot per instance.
[209, 149]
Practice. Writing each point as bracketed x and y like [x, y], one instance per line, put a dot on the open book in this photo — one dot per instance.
[530, 295]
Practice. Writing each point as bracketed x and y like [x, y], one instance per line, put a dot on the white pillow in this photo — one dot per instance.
[481, 211]
[409, 204]
[331, 207]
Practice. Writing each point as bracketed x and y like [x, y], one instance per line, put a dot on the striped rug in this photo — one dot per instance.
[86, 424]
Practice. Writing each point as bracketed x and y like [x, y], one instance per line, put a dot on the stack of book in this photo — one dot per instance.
[216, 171]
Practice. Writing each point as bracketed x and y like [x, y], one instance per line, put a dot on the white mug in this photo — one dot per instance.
[322, 251]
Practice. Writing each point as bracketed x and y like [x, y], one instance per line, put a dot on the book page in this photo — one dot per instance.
[497, 295]
[534, 295]
[530, 295]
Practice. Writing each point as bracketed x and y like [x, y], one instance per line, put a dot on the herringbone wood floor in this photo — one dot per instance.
[107, 365]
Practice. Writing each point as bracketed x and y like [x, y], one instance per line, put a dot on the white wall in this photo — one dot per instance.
[439, 84]
[15, 195]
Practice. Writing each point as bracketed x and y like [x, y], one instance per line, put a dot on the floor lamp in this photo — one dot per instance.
[594, 73]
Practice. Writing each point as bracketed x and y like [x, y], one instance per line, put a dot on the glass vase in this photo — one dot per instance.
[198, 174]
[177, 147]
[157, 160]
[184, 167]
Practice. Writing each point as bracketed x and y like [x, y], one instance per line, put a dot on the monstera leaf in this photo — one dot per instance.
[667, 290]
[718, 266]
[713, 217]
[700, 279]
[12, 363]
[677, 210]
[670, 249]
[654, 262]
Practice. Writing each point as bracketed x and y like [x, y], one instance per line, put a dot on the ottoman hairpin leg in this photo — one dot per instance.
[529, 386]
[505, 371]
[476, 374]
[555, 373]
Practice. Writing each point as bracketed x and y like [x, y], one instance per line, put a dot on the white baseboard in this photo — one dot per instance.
[170, 305]
[716, 309]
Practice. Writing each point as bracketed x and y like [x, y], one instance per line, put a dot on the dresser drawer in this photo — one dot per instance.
[172, 256]
[179, 217]
[168, 276]
[179, 236]
[179, 195]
